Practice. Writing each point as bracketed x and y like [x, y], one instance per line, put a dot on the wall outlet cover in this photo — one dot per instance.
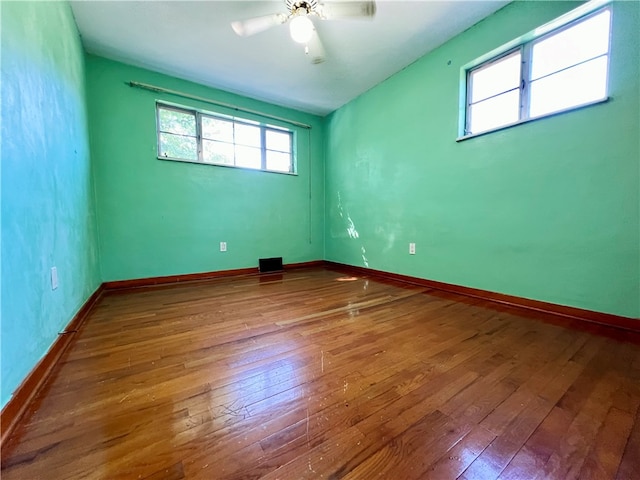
[54, 278]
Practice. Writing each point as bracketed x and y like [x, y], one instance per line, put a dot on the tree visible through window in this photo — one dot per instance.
[189, 135]
[177, 134]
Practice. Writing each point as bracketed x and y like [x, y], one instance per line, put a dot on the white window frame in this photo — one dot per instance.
[487, 64]
[198, 115]
[525, 45]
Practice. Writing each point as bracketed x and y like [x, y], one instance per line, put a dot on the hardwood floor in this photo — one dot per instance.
[315, 374]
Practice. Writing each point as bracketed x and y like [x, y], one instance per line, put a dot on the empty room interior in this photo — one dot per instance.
[305, 239]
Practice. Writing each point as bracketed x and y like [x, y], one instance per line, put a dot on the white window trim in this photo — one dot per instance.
[198, 114]
[469, 83]
[525, 44]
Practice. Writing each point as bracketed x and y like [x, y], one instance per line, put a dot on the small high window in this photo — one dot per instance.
[193, 136]
[561, 70]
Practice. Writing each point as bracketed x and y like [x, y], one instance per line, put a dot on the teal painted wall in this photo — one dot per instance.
[48, 216]
[160, 217]
[547, 210]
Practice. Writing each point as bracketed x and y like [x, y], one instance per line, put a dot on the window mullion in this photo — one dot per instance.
[233, 137]
[291, 158]
[519, 88]
[569, 67]
[199, 135]
[263, 146]
[525, 78]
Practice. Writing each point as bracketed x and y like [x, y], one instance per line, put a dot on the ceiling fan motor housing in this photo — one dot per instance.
[302, 7]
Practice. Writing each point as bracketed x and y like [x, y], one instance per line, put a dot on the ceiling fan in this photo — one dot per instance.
[301, 27]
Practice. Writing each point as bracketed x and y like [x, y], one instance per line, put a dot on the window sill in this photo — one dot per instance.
[520, 122]
[171, 159]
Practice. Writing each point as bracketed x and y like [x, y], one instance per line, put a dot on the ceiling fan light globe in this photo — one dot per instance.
[301, 29]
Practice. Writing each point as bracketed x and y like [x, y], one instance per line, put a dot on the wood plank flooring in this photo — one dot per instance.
[316, 374]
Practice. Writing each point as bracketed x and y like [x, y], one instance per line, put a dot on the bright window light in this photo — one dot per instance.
[497, 77]
[564, 69]
[495, 111]
[568, 88]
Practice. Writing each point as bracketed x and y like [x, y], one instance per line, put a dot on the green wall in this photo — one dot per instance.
[160, 217]
[547, 210]
[47, 196]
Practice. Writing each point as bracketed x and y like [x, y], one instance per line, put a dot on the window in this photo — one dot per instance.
[563, 69]
[193, 136]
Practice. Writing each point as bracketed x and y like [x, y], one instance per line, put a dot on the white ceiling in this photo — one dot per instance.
[194, 40]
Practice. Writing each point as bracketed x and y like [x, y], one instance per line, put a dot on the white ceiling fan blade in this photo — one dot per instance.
[315, 49]
[331, 10]
[251, 26]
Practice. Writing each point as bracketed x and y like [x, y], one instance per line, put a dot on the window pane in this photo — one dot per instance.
[495, 78]
[217, 152]
[280, 141]
[248, 157]
[278, 161]
[572, 87]
[177, 122]
[217, 129]
[576, 44]
[178, 146]
[495, 112]
[247, 135]
[186, 134]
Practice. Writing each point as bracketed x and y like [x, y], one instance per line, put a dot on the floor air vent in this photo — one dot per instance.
[270, 264]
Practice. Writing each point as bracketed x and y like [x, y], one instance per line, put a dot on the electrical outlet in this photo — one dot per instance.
[223, 246]
[412, 249]
[54, 278]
